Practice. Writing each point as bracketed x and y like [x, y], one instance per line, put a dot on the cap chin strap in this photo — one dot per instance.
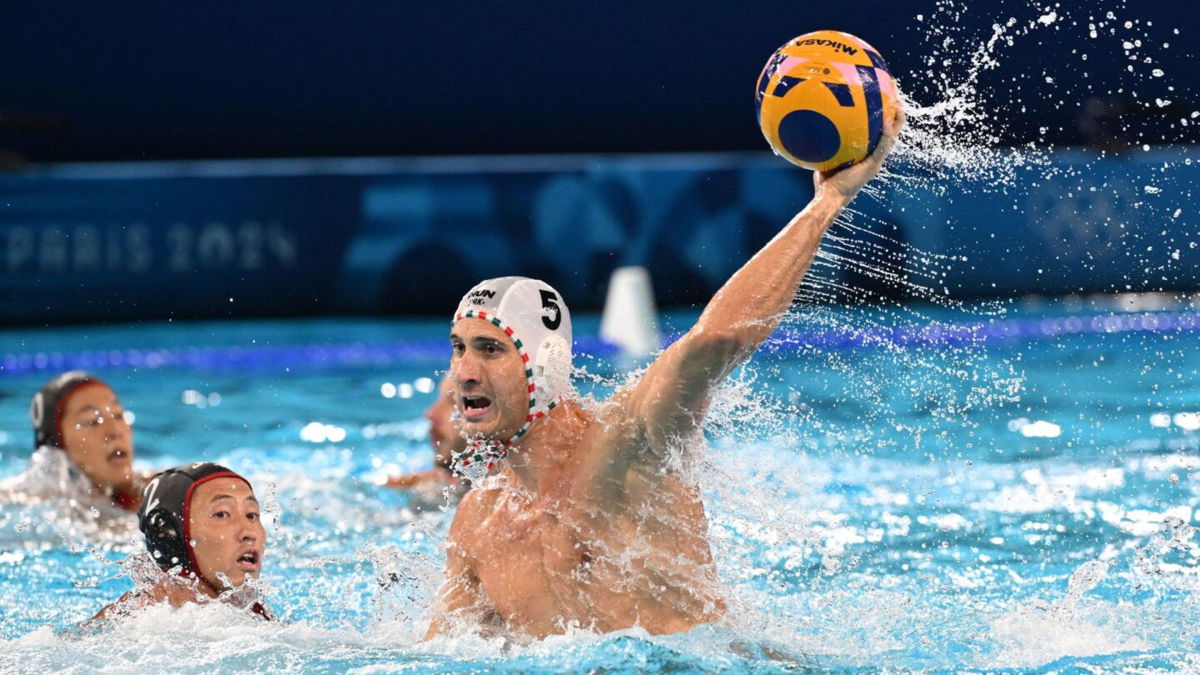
[483, 454]
[479, 457]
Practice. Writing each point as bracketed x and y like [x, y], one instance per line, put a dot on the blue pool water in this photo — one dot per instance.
[996, 488]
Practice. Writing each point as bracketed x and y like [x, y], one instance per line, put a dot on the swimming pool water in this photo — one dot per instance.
[888, 488]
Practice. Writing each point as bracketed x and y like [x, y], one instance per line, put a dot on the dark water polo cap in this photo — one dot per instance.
[46, 409]
[163, 516]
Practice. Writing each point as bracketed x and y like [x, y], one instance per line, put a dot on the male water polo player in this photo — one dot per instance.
[83, 445]
[591, 521]
[202, 528]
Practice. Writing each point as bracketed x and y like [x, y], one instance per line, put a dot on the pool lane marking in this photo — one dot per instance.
[319, 356]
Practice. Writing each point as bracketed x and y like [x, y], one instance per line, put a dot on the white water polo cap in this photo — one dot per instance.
[534, 316]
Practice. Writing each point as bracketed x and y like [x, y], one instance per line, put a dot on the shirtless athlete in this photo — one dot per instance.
[590, 522]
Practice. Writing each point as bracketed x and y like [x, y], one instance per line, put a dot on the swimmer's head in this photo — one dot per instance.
[443, 435]
[81, 415]
[512, 357]
[203, 520]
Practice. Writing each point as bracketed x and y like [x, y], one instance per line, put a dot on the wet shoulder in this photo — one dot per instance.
[475, 506]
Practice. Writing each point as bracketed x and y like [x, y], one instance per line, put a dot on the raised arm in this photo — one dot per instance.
[670, 399]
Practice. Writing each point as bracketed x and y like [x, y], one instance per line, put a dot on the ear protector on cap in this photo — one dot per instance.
[552, 366]
[163, 516]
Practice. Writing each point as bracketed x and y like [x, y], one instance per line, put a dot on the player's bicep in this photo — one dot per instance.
[461, 593]
[456, 597]
[457, 594]
[671, 397]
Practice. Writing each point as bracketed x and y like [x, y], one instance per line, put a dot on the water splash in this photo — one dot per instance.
[871, 509]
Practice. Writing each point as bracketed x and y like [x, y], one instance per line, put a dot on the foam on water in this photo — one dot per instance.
[839, 544]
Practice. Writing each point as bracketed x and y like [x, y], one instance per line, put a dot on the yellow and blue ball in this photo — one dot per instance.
[822, 99]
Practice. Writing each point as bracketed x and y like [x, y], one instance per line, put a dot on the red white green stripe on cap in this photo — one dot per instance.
[484, 455]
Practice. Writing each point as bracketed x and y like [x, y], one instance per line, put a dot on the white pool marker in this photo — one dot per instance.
[630, 318]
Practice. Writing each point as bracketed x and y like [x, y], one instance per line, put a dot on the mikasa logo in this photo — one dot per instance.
[830, 43]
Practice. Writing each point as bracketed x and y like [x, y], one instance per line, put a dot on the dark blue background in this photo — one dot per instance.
[305, 78]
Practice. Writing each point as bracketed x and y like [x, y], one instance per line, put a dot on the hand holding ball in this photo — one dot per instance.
[822, 99]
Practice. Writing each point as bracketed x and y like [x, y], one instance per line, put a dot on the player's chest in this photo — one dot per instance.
[529, 547]
[535, 533]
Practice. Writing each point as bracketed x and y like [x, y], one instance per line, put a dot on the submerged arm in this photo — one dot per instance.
[173, 592]
[461, 594]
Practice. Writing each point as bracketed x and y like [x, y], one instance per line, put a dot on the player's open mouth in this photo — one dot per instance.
[249, 561]
[475, 407]
[118, 456]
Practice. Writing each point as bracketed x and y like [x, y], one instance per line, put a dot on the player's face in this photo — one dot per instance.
[491, 392]
[229, 537]
[443, 435]
[97, 436]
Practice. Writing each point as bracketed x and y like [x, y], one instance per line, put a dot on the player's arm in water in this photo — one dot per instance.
[446, 441]
[175, 594]
[668, 403]
[460, 596]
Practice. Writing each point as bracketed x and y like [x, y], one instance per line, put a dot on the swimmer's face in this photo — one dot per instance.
[443, 435]
[97, 436]
[492, 397]
[229, 537]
